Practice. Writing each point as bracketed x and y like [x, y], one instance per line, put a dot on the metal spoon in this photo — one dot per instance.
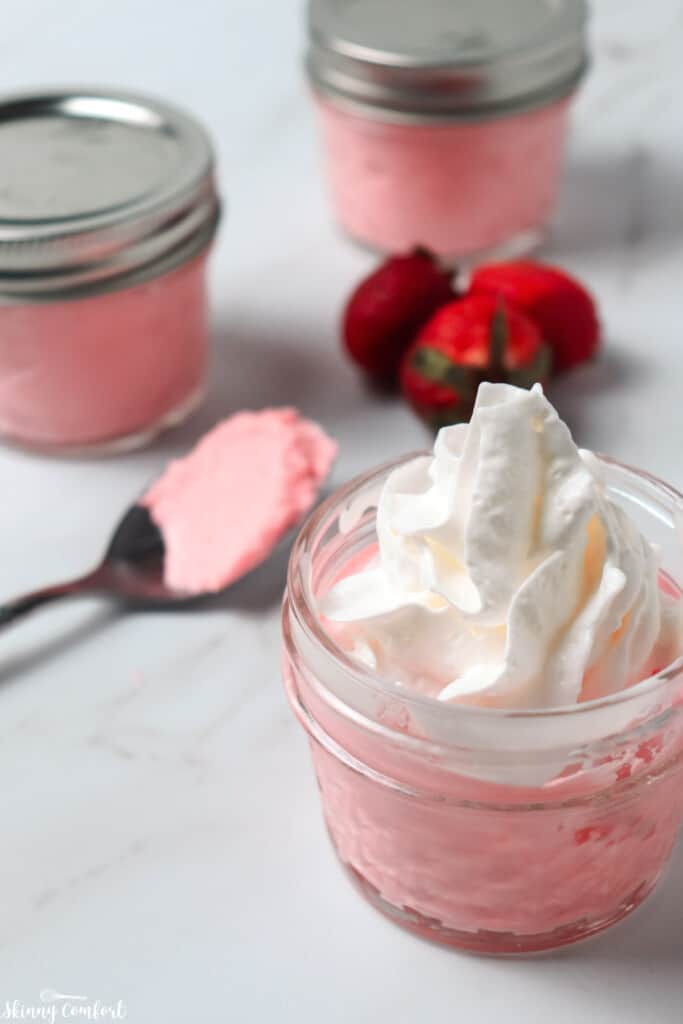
[132, 569]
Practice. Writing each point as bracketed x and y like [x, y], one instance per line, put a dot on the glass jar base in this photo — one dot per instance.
[522, 244]
[116, 445]
[487, 943]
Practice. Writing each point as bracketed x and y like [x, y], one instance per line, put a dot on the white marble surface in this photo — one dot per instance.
[160, 835]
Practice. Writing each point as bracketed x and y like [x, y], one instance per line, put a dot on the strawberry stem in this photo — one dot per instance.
[498, 338]
[448, 269]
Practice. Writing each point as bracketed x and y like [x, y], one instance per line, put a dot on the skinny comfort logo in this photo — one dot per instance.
[53, 1006]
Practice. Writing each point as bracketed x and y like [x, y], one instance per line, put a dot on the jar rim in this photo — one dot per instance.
[301, 602]
[132, 191]
[449, 64]
[562, 92]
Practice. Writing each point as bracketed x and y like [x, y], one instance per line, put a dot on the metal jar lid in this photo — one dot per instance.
[422, 60]
[99, 190]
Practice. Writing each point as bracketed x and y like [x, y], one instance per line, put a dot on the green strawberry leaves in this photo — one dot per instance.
[537, 370]
[437, 368]
[498, 341]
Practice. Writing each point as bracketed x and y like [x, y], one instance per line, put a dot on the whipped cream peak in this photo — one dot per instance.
[504, 574]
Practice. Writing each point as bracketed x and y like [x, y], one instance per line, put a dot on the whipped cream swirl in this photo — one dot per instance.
[504, 574]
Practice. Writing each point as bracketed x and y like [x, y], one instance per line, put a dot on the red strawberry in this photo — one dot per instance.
[562, 308]
[389, 306]
[470, 340]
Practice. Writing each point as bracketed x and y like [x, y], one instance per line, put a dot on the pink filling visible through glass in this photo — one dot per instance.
[460, 187]
[470, 861]
[104, 368]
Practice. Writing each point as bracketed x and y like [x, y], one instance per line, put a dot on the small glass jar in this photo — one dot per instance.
[490, 830]
[107, 212]
[444, 123]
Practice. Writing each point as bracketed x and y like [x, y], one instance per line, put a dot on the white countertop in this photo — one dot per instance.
[160, 831]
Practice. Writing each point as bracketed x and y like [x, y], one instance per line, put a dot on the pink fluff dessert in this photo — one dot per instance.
[462, 188]
[223, 508]
[443, 124]
[485, 651]
[108, 209]
[109, 371]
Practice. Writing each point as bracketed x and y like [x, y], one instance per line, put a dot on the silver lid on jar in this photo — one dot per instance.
[442, 59]
[99, 190]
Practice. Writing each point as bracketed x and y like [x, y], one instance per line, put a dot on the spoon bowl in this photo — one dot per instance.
[250, 481]
[132, 571]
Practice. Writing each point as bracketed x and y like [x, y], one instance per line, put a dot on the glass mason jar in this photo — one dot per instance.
[443, 122]
[107, 213]
[491, 830]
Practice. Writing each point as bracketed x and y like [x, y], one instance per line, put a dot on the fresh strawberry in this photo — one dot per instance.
[559, 305]
[477, 338]
[389, 306]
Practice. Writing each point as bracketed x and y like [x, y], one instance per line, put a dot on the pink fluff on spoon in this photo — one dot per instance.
[224, 507]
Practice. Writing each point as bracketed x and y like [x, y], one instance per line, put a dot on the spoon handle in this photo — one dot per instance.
[20, 606]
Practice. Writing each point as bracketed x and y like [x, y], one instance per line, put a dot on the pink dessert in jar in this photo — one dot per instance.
[443, 124]
[484, 646]
[107, 213]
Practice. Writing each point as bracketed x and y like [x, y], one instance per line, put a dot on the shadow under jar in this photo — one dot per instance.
[444, 121]
[107, 212]
[491, 830]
